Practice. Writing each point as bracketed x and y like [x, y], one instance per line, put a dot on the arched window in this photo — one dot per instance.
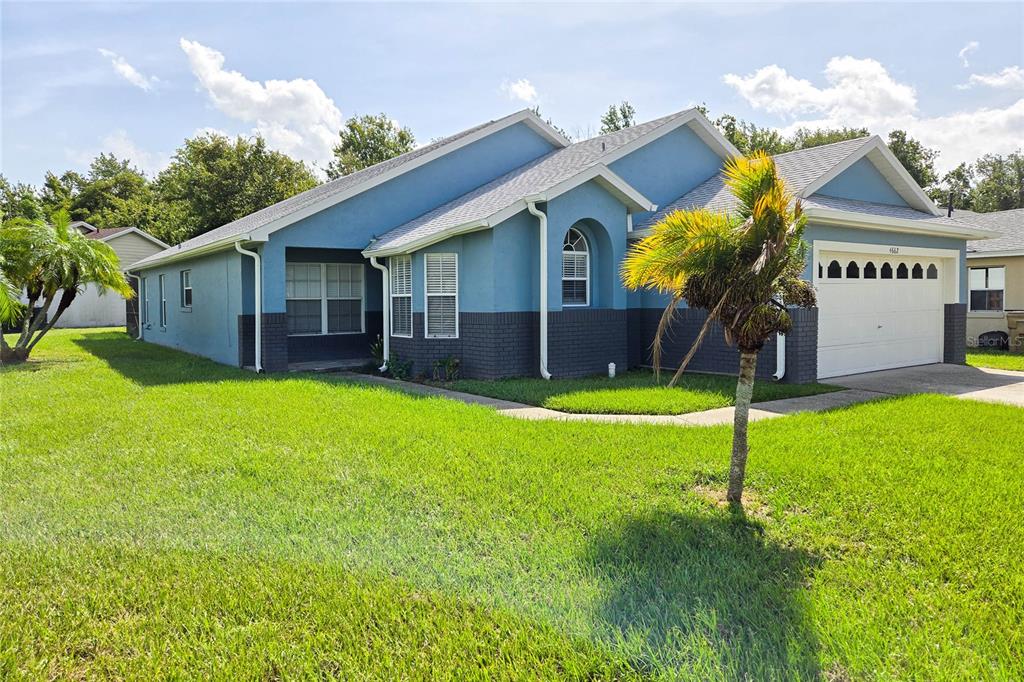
[575, 269]
[933, 272]
[901, 271]
[821, 271]
[886, 271]
[852, 270]
[869, 271]
[835, 270]
[917, 272]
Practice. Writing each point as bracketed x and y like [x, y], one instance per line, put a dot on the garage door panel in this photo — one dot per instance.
[871, 324]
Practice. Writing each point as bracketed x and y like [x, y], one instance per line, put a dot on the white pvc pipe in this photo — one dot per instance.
[257, 277]
[386, 308]
[543, 219]
[138, 305]
[780, 357]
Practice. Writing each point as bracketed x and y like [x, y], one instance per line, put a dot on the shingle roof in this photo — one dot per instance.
[798, 169]
[882, 210]
[281, 209]
[1008, 224]
[104, 232]
[533, 178]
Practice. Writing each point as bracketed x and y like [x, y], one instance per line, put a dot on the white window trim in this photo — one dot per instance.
[163, 301]
[426, 296]
[324, 298]
[391, 310]
[576, 279]
[182, 274]
[971, 290]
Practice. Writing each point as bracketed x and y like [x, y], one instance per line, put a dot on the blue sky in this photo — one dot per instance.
[138, 79]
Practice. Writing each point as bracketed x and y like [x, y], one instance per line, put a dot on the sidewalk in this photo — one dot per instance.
[723, 415]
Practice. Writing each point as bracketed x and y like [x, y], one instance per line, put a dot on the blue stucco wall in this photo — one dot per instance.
[476, 276]
[211, 327]
[853, 235]
[669, 167]
[353, 223]
[862, 182]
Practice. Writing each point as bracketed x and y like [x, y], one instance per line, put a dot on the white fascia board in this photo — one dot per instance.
[910, 191]
[702, 127]
[135, 230]
[1006, 253]
[427, 240]
[864, 221]
[545, 129]
[219, 245]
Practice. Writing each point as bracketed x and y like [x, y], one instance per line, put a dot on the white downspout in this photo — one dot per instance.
[780, 357]
[531, 206]
[138, 304]
[257, 289]
[386, 308]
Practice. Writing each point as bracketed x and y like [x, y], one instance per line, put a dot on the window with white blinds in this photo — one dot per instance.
[575, 269]
[442, 295]
[324, 298]
[400, 268]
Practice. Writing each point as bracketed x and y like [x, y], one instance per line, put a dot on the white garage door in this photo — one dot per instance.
[877, 312]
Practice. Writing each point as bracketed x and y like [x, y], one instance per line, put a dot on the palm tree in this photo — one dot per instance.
[743, 267]
[51, 262]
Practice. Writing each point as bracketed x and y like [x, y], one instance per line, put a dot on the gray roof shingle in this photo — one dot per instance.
[1008, 224]
[501, 193]
[305, 199]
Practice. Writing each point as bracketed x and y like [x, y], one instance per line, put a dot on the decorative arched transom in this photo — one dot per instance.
[575, 269]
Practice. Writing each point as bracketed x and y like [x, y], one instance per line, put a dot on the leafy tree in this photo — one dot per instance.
[18, 201]
[551, 123]
[958, 182]
[58, 192]
[805, 138]
[213, 180]
[1000, 185]
[368, 140]
[113, 194]
[915, 157]
[744, 268]
[618, 116]
[51, 262]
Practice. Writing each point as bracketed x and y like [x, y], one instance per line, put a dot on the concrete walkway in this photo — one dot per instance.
[958, 381]
[722, 415]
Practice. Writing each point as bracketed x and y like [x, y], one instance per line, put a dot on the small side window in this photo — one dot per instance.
[186, 289]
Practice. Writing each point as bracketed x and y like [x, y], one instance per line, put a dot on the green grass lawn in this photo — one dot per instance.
[996, 359]
[635, 392]
[165, 517]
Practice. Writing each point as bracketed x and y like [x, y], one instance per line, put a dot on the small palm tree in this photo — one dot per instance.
[51, 262]
[744, 268]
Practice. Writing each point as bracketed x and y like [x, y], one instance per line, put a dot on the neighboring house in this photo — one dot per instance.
[995, 278]
[92, 307]
[454, 248]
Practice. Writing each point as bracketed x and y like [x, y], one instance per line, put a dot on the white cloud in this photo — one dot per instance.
[120, 144]
[862, 93]
[521, 90]
[971, 46]
[1010, 78]
[129, 72]
[295, 117]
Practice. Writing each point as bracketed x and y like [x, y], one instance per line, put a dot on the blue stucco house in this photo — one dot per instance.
[454, 249]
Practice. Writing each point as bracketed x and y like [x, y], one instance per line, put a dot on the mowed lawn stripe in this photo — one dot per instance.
[162, 515]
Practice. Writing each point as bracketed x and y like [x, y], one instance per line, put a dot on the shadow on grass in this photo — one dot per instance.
[693, 587]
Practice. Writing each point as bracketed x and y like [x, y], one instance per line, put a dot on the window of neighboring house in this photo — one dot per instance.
[163, 301]
[145, 300]
[442, 295]
[186, 289]
[400, 268]
[324, 298]
[575, 269]
[987, 285]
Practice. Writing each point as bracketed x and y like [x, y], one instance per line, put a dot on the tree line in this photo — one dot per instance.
[213, 179]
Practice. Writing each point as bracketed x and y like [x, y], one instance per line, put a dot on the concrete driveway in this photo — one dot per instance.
[991, 385]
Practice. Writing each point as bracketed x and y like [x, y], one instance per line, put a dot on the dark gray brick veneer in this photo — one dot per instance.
[954, 349]
[274, 341]
[583, 341]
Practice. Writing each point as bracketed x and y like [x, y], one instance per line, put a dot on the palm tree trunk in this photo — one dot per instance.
[744, 393]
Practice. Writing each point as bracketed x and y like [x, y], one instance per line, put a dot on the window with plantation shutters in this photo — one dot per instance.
[400, 268]
[442, 295]
[575, 269]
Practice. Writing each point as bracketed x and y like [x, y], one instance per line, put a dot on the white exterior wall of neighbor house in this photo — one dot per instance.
[94, 308]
